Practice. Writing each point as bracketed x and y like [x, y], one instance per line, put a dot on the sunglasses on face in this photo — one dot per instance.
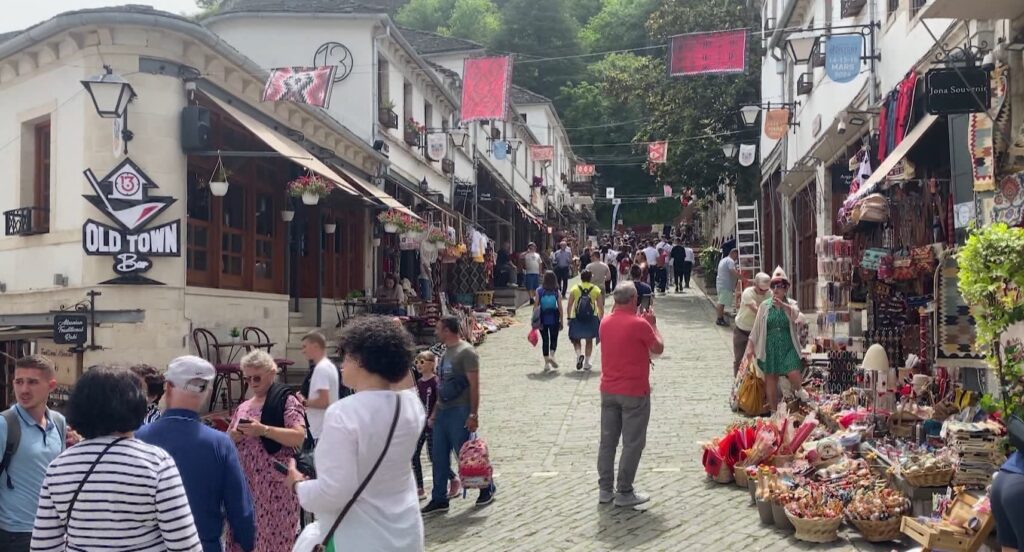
[780, 286]
[252, 379]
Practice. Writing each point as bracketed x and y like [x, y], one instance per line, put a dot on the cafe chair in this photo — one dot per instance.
[208, 348]
[252, 334]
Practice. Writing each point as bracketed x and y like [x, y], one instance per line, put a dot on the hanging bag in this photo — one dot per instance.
[902, 265]
[751, 397]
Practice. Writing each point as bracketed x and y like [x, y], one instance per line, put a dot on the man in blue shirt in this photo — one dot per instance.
[563, 263]
[42, 439]
[206, 458]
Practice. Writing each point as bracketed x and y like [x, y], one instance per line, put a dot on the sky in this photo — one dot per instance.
[19, 14]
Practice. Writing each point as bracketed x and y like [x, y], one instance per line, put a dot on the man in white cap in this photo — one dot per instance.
[750, 300]
[207, 459]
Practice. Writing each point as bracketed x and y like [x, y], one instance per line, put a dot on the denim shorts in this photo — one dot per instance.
[531, 281]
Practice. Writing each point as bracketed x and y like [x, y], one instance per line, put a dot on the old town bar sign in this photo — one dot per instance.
[124, 196]
[958, 90]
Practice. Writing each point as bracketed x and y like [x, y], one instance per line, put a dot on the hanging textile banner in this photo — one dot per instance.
[542, 153]
[776, 123]
[1008, 205]
[842, 57]
[305, 85]
[585, 170]
[667, 190]
[708, 53]
[500, 150]
[615, 214]
[657, 152]
[437, 145]
[982, 134]
[485, 88]
[748, 152]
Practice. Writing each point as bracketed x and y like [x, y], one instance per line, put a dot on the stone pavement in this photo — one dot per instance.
[542, 430]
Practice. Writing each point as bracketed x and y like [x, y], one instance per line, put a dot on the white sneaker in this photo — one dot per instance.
[547, 363]
[587, 365]
[630, 499]
[554, 363]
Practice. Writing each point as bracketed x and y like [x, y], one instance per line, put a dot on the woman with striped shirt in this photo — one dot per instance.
[112, 492]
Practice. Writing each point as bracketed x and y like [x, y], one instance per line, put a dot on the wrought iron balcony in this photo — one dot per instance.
[26, 221]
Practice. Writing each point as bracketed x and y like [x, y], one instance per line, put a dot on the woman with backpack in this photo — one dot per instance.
[547, 317]
[585, 310]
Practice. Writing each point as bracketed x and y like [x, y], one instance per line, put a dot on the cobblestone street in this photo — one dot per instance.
[543, 436]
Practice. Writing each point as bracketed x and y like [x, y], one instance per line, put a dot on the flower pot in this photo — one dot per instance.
[376, 242]
[390, 227]
[219, 189]
[428, 246]
[330, 227]
[287, 215]
[310, 199]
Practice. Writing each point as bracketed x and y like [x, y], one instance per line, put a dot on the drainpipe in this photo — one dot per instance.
[873, 72]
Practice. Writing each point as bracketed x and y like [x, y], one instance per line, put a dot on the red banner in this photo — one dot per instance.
[585, 170]
[485, 88]
[708, 53]
[542, 153]
[308, 85]
[657, 152]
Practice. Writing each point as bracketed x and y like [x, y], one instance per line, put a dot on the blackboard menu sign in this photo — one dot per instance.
[70, 329]
[958, 90]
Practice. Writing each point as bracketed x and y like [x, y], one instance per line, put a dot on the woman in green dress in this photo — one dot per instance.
[774, 340]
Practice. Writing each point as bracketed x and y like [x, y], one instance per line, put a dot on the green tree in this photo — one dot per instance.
[619, 25]
[425, 15]
[541, 29]
[583, 10]
[476, 20]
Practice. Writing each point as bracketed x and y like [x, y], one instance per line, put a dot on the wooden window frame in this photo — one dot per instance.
[41, 185]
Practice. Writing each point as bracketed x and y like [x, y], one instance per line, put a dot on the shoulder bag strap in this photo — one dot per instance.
[355, 496]
[74, 497]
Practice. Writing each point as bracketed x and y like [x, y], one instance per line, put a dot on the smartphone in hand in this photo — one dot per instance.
[281, 468]
[244, 421]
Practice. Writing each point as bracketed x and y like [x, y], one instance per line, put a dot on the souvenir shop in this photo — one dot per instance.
[893, 444]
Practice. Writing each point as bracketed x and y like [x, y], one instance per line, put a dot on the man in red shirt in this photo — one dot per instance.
[627, 343]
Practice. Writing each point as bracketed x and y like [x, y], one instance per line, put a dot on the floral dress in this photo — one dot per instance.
[277, 507]
[780, 358]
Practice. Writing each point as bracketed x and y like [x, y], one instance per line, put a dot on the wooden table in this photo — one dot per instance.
[235, 347]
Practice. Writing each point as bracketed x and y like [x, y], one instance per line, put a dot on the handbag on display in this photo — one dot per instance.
[923, 259]
[902, 265]
[873, 257]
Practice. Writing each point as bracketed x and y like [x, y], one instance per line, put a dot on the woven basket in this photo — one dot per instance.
[815, 529]
[724, 474]
[740, 473]
[879, 531]
[932, 477]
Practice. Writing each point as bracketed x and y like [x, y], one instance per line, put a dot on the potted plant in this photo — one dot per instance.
[235, 334]
[415, 229]
[311, 188]
[392, 220]
[219, 182]
[413, 130]
[436, 239]
[386, 114]
[538, 181]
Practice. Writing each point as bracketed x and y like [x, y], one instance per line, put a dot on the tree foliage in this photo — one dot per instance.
[541, 29]
[619, 25]
[476, 20]
[425, 15]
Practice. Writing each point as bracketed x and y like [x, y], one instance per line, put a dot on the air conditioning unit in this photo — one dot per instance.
[805, 84]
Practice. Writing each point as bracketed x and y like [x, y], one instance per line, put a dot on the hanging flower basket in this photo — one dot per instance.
[436, 236]
[415, 229]
[394, 221]
[311, 188]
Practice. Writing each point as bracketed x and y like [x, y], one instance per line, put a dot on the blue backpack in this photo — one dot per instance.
[548, 300]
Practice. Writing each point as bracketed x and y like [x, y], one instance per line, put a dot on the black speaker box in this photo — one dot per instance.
[195, 128]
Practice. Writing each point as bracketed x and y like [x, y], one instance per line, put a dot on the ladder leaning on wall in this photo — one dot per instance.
[748, 240]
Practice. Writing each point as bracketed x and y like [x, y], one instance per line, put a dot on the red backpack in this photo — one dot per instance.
[475, 464]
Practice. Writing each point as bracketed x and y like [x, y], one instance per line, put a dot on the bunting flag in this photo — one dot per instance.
[776, 123]
[542, 153]
[500, 150]
[437, 145]
[708, 53]
[748, 152]
[667, 190]
[585, 170]
[652, 200]
[657, 152]
[305, 85]
[485, 88]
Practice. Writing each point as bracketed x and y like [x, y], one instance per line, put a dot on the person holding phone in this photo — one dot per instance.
[267, 428]
[774, 340]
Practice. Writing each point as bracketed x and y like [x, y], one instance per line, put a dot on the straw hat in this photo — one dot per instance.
[762, 281]
[779, 275]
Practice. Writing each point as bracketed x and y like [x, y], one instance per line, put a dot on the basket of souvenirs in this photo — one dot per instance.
[927, 471]
[739, 472]
[815, 517]
[877, 514]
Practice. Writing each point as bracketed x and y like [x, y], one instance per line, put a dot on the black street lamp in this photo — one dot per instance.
[111, 95]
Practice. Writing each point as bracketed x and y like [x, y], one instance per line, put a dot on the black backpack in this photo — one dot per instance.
[14, 438]
[585, 306]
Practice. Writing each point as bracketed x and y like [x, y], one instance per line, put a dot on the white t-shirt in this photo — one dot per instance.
[612, 257]
[689, 254]
[599, 274]
[531, 261]
[726, 280]
[325, 376]
[652, 255]
[387, 514]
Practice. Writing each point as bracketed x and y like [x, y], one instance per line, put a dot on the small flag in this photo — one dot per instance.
[305, 85]
[485, 88]
[437, 145]
[500, 150]
[542, 153]
[668, 190]
[747, 154]
[652, 200]
[657, 152]
[585, 170]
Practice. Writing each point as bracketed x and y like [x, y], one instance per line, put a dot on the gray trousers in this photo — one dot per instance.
[739, 346]
[627, 417]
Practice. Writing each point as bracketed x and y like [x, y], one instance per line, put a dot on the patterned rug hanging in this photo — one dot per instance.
[955, 332]
[1008, 204]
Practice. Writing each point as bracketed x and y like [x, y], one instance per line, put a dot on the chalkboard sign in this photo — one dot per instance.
[69, 329]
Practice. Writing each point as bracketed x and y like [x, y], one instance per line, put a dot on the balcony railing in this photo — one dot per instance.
[412, 137]
[26, 221]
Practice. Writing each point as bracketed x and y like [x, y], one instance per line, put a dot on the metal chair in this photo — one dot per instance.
[207, 347]
[253, 334]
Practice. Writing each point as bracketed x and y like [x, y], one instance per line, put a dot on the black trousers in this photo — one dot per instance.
[15, 542]
[562, 273]
[678, 277]
[549, 338]
[417, 467]
[613, 281]
[659, 277]
[687, 271]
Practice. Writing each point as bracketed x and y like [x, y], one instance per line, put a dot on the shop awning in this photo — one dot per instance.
[974, 9]
[529, 215]
[381, 196]
[897, 155]
[285, 146]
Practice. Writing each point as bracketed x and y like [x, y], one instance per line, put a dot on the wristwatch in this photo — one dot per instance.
[472, 416]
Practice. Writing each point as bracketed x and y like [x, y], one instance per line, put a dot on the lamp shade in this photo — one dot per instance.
[875, 358]
[749, 114]
[110, 93]
[729, 150]
[801, 46]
